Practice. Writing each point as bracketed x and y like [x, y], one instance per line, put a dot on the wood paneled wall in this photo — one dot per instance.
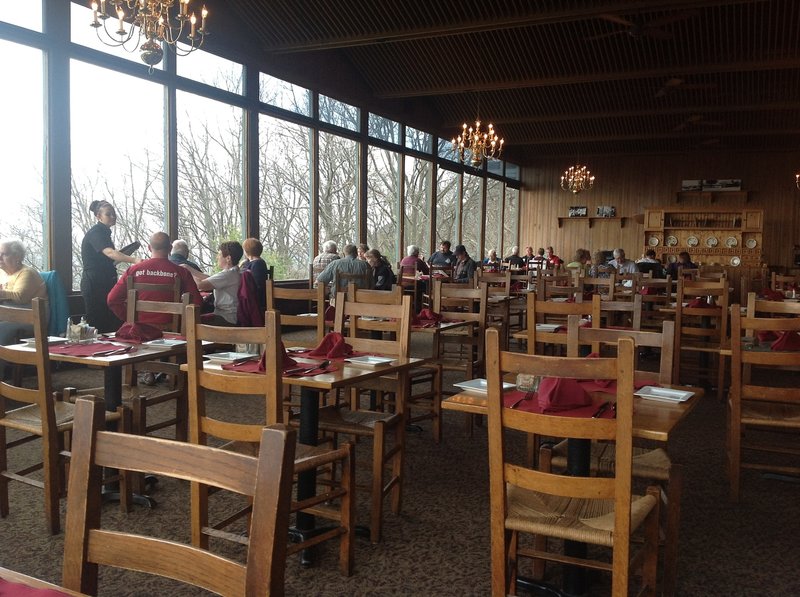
[635, 183]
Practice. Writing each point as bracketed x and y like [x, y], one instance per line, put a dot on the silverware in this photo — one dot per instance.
[305, 370]
[113, 352]
[603, 408]
[527, 396]
[244, 360]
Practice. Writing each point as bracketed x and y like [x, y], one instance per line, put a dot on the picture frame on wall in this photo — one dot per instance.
[606, 211]
[578, 211]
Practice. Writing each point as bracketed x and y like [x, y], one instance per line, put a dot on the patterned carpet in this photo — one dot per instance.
[439, 545]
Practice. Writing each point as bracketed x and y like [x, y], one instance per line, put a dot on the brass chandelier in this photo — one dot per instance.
[477, 143]
[154, 23]
[577, 178]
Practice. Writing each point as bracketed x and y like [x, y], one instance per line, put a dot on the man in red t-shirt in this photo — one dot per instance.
[156, 270]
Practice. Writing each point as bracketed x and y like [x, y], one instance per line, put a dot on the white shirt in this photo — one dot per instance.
[226, 292]
[629, 267]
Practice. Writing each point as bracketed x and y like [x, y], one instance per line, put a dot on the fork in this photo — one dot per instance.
[527, 396]
[307, 370]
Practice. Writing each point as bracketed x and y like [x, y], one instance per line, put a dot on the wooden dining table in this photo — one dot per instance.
[15, 583]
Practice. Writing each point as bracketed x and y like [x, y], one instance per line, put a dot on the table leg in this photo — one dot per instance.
[578, 464]
[307, 481]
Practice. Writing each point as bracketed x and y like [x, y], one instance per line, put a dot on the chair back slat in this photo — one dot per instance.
[305, 300]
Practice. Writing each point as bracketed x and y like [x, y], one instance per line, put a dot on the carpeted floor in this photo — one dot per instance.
[439, 545]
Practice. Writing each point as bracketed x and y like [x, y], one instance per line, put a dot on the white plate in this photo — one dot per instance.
[731, 242]
[369, 361]
[751, 243]
[664, 394]
[50, 340]
[712, 241]
[671, 241]
[653, 241]
[165, 342]
[692, 241]
[548, 327]
[228, 357]
[735, 261]
[559, 299]
[306, 315]
[480, 386]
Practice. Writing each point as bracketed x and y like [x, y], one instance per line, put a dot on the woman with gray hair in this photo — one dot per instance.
[22, 284]
[412, 259]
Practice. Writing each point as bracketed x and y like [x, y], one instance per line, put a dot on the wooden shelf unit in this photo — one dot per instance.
[712, 195]
[733, 229]
[590, 220]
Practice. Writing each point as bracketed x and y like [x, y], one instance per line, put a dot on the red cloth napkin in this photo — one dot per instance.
[787, 341]
[766, 336]
[136, 333]
[529, 403]
[601, 383]
[426, 316]
[13, 589]
[697, 303]
[561, 393]
[771, 295]
[333, 346]
[83, 350]
[330, 313]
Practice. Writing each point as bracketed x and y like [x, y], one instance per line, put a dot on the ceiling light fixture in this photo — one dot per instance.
[479, 144]
[797, 180]
[577, 178]
[154, 23]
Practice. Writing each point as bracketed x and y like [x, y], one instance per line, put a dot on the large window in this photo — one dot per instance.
[211, 70]
[338, 189]
[383, 198]
[472, 217]
[21, 156]
[116, 157]
[210, 171]
[284, 199]
[494, 224]
[25, 14]
[383, 128]
[447, 201]
[510, 221]
[284, 95]
[417, 204]
[339, 113]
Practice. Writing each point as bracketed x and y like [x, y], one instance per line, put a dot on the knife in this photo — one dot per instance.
[603, 408]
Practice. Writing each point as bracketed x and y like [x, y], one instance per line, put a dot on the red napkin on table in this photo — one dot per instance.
[697, 303]
[772, 295]
[83, 350]
[330, 313]
[137, 333]
[787, 341]
[333, 346]
[426, 316]
[561, 393]
[603, 383]
[261, 364]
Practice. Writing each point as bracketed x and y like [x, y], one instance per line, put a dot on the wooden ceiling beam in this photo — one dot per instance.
[535, 18]
[679, 111]
[597, 77]
[655, 136]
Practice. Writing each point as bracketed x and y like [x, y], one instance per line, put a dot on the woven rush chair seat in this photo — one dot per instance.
[647, 463]
[29, 418]
[587, 521]
[355, 422]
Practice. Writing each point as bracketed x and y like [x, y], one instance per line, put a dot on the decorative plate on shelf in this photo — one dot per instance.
[751, 243]
[731, 242]
[736, 261]
[653, 241]
[692, 241]
[712, 241]
[671, 241]
[672, 258]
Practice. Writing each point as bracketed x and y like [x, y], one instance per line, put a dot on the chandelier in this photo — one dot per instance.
[479, 144]
[577, 178]
[797, 180]
[155, 24]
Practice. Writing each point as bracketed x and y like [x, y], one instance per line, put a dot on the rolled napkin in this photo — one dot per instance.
[426, 316]
[137, 333]
[561, 393]
[333, 346]
[787, 341]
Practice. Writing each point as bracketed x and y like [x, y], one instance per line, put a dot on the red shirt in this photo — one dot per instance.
[158, 270]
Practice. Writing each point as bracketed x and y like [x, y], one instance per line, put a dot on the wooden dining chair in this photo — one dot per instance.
[381, 427]
[601, 511]
[300, 307]
[206, 422]
[138, 397]
[701, 333]
[764, 399]
[656, 295]
[605, 287]
[556, 313]
[265, 479]
[622, 313]
[45, 416]
[461, 349]
[650, 464]
[783, 283]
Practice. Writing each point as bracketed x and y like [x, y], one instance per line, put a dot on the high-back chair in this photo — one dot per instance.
[498, 289]
[306, 305]
[782, 283]
[370, 424]
[554, 314]
[266, 479]
[205, 422]
[461, 349]
[622, 313]
[656, 295]
[766, 401]
[44, 416]
[605, 287]
[651, 464]
[138, 397]
[701, 331]
[598, 510]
